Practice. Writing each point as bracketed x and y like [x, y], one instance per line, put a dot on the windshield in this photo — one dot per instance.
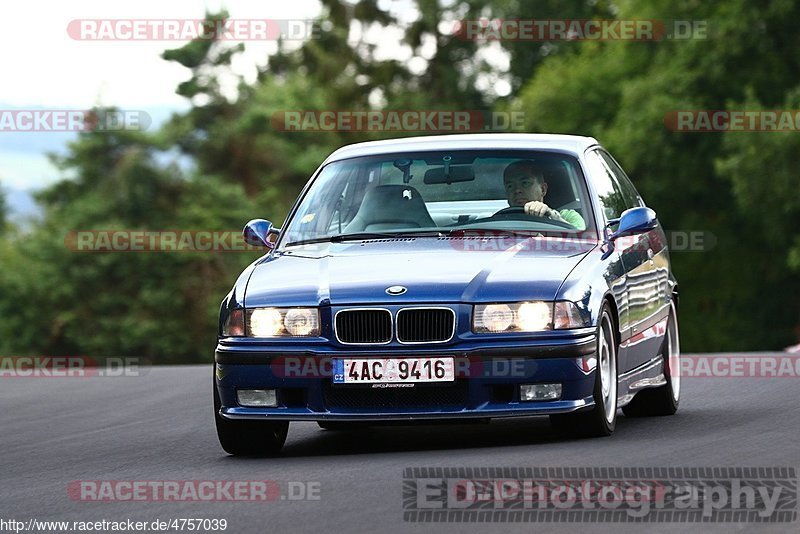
[434, 192]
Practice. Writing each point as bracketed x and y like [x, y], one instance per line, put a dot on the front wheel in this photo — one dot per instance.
[602, 419]
[662, 400]
[250, 438]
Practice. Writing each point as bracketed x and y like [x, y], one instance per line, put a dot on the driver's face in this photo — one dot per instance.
[522, 187]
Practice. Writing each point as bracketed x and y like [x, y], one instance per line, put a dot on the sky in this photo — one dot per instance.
[52, 69]
[44, 68]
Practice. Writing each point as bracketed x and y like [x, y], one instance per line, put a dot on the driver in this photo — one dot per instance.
[525, 187]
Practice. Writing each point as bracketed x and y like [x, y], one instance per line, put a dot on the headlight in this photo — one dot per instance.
[534, 316]
[514, 317]
[283, 322]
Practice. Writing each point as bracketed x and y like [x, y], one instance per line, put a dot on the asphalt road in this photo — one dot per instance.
[159, 426]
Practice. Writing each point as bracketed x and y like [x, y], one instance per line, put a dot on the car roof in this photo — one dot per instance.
[573, 144]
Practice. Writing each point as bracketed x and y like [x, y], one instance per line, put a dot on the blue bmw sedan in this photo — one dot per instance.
[452, 277]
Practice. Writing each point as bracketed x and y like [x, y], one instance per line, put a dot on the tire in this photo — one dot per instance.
[663, 400]
[248, 438]
[601, 420]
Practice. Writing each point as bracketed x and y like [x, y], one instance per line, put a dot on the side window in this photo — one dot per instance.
[606, 185]
[632, 198]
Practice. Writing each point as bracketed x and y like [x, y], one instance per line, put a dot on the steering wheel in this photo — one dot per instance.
[510, 212]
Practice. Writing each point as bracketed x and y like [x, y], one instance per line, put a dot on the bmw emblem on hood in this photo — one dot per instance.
[396, 290]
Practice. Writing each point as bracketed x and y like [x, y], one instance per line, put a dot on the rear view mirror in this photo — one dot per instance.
[257, 233]
[449, 174]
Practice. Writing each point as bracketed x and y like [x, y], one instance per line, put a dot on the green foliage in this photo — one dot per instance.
[620, 93]
[225, 161]
[3, 211]
[158, 305]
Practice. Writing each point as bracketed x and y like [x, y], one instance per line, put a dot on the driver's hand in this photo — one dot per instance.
[540, 209]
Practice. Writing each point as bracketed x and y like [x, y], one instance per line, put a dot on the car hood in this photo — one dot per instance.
[431, 269]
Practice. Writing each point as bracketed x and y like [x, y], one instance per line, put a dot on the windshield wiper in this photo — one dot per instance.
[495, 231]
[357, 236]
[450, 232]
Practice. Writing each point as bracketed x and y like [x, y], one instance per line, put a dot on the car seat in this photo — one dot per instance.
[559, 187]
[388, 207]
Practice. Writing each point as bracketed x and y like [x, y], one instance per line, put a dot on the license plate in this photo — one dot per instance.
[393, 370]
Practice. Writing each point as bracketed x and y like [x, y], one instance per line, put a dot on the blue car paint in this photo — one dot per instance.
[446, 271]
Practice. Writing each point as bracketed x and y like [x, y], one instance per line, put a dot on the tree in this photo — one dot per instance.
[227, 160]
[158, 305]
[620, 93]
[3, 211]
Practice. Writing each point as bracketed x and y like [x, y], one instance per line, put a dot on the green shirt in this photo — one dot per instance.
[574, 218]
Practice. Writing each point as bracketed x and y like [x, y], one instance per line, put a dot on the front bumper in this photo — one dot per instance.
[487, 385]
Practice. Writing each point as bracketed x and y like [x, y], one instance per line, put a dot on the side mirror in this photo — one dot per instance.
[257, 233]
[634, 221]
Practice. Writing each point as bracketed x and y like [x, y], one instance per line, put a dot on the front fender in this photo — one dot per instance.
[591, 281]
[235, 297]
